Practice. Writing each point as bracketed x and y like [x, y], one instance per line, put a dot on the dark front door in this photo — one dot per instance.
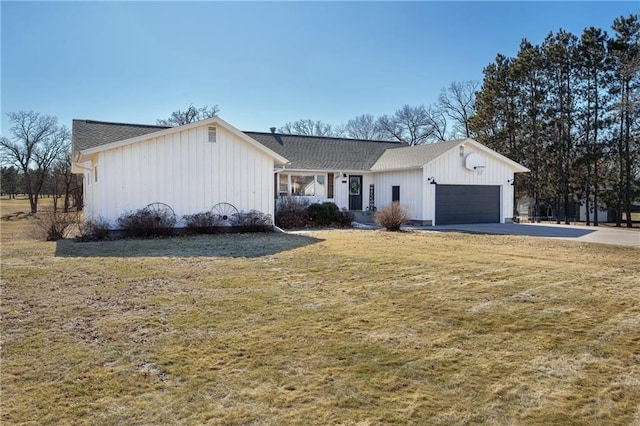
[355, 192]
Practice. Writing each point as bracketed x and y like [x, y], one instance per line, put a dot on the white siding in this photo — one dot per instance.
[186, 172]
[341, 192]
[367, 179]
[450, 169]
[410, 185]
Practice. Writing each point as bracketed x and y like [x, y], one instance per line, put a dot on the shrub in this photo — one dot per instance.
[54, 225]
[323, 214]
[253, 221]
[292, 212]
[95, 230]
[392, 217]
[295, 212]
[211, 223]
[204, 223]
[344, 218]
[146, 223]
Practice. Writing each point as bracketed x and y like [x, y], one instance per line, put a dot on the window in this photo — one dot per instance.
[212, 134]
[302, 185]
[330, 182]
[395, 193]
[461, 150]
[321, 186]
[283, 183]
[95, 173]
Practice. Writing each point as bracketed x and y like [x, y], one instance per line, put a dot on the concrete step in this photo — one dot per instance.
[363, 217]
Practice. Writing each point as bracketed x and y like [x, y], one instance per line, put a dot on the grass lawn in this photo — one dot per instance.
[330, 327]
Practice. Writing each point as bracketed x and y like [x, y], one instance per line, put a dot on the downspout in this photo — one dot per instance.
[275, 173]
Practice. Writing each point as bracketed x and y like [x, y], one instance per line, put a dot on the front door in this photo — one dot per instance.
[355, 192]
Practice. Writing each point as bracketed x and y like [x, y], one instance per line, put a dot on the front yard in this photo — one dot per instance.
[328, 327]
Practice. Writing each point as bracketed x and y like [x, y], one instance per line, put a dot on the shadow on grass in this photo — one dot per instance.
[226, 245]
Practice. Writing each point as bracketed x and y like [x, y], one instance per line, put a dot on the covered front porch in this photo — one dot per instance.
[349, 190]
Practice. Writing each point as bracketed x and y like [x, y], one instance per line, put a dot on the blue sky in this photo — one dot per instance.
[263, 63]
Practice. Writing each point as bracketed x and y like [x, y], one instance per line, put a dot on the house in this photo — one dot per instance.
[441, 183]
[128, 166]
[189, 168]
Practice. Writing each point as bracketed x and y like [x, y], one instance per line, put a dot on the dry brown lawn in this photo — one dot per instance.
[330, 327]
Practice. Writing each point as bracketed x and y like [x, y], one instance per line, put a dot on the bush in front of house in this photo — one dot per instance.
[211, 223]
[296, 212]
[292, 212]
[323, 214]
[392, 217]
[204, 222]
[344, 219]
[327, 214]
[253, 221]
[147, 223]
[54, 225]
[95, 230]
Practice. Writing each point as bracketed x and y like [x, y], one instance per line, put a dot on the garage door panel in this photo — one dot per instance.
[456, 204]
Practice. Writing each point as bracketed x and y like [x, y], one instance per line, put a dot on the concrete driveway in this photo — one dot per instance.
[586, 234]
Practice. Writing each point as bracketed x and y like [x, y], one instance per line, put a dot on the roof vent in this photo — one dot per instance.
[273, 129]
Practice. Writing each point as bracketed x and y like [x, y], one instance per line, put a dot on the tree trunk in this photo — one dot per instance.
[587, 203]
[627, 156]
[621, 167]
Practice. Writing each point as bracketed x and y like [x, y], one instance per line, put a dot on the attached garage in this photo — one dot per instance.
[456, 204]
[448, 183]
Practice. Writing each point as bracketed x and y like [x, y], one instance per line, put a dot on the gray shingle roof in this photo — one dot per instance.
[303, 152]
[324, 153]
[413, 156]
[89, 133]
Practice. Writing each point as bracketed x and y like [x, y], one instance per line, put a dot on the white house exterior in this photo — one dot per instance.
[190, 168]
[127, 166]
[449, 182]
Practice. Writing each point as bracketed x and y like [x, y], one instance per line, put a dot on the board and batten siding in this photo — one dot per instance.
[185, 171]
[449, 169]
[411, 190]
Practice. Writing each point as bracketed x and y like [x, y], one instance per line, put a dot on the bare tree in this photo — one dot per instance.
[307, 127]
[36, 143]
[190, 115]
[364, 127]
[63, 182]
[439, 122]
[457, 101]
[408, 124]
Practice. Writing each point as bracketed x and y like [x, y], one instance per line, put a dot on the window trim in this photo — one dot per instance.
[304, 174]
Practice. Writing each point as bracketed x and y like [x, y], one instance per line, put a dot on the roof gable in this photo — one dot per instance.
[412, 157]
[417, 156]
